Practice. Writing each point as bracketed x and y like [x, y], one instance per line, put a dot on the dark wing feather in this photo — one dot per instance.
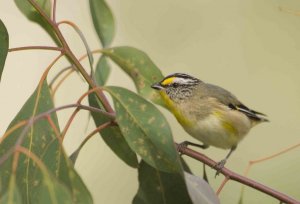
[254, 115]
[227, 98]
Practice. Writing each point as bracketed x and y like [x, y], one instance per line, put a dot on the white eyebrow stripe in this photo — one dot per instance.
[183, 81]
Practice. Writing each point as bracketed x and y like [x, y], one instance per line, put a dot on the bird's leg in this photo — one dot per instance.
[186, 143]
[221, 163]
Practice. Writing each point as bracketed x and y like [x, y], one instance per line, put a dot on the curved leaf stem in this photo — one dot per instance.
[61, 81]
[70, 67]
[35, 48]
[33, 157]
[236, 177]
[80, 33]
[54, 11]
[256, 161]
[32, 120]
[58, 75]
[88, 93]
[70, 55]
[70, 120]
[87, 138]
[222, 185]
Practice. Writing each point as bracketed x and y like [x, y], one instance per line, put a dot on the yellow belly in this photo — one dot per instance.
[217, 129]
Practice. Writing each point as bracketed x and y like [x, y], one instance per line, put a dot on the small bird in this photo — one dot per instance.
[207, 112]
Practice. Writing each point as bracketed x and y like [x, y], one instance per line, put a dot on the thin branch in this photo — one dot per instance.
[61, 81]
[32, 120]
[222, 185]
[72, 57]
[256, 161]
[80, 33]
[54, 127]
[54, 11]
[289, 11]
[236, 177]
[274, 155]
[64, 132]
[35, 48]
[87, 138]
[58, 74]
[88, 93]
[98, 129]
[33, 157]
[97, 51]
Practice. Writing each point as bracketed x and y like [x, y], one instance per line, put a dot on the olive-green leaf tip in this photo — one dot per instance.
[4, 43]
[103, 21]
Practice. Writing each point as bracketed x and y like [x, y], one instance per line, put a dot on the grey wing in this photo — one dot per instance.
[228, 99]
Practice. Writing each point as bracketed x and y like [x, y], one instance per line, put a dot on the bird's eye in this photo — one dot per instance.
[175, 85]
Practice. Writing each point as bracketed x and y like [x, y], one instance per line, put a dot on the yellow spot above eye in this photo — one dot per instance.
[167, 81]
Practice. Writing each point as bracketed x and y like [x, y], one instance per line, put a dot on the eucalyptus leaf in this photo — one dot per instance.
[102, 71]
[13, 194]
[160, 187]
[3, 46]
[33, 15]
[29, 11]
[145, 129]
[140, 68]
[103, 21]
[59, 182]
[112, 136]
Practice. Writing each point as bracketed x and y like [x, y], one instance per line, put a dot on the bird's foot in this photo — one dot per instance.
[219, 166]
[181, 146]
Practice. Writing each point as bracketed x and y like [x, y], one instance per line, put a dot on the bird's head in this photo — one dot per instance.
[177, 86]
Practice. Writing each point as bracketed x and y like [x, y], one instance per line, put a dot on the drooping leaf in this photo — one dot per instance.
[12, 196]
[145, 129]
[199, 190]
[60, 182]
[3, 46]
[112, 136]
[140, 68]
[33, 15]
[160, 187]
[103, 21]
[102, 71]
[30, 12]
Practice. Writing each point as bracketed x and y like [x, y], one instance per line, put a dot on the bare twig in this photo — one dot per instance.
[80, 33]
[35, 48]
[74, 155]
[236, 177]
[70, 55]
[44, 115]
[54, 11]
[222, 185]
[59, 83]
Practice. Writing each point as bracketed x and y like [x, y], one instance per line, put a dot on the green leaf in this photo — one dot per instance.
[3, 46]
[103, 21]
[12, 196]
[59, 182]
[199, 190]
[145, 129]
[140, 68]
[31, 13]
[160, 187]
[111, 135]
[102, 71]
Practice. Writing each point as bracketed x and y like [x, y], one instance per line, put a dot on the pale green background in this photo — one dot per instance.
[249, 47]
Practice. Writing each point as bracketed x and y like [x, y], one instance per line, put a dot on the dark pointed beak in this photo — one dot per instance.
[156, 86]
